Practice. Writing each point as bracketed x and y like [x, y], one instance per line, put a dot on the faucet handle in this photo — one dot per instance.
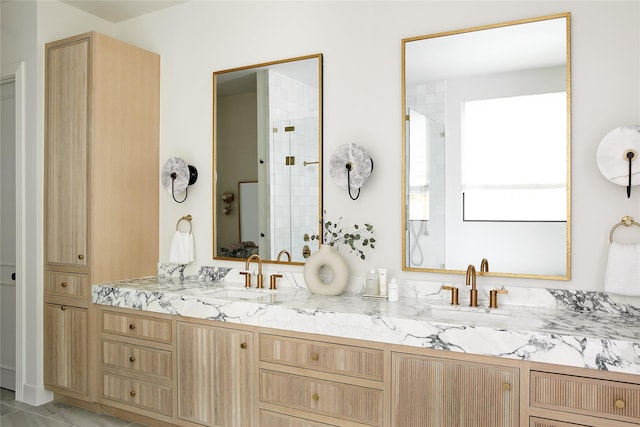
[493, 297]
[247, 278]
[454, 293]
[273, 279]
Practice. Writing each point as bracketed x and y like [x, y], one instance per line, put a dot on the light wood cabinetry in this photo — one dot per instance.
[215, 375]
[432, 391]
[101, 191]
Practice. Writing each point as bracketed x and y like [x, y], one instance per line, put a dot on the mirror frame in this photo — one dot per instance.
[215, 202]
[567, 275]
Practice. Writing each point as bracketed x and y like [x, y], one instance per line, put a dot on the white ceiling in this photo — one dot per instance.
[120, 10]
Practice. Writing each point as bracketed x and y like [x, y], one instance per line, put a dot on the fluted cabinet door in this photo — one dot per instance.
[215, 375]
[66, 348]
[427, 391]
[67, 103]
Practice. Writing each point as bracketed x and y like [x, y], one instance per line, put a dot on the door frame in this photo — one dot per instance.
[15, 72]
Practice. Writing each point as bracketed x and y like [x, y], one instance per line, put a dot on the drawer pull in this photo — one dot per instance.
[506, 386]
[132, 326]
[132, 359]
[132, 393]
[63, 308]
[243, 345]
[315, 356]
[80, 256]
[315, 397]
[63, 284]
[619, 404]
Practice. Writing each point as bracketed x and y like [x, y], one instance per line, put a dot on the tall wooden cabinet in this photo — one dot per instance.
[101, 191]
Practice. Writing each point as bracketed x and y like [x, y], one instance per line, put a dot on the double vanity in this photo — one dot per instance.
[203, 349]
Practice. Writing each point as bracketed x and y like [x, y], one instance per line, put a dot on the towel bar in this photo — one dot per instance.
[627, 221]
[187, 218]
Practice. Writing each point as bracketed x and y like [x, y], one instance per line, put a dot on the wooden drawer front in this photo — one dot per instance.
[588, 396]
[273, 419]
[148, 328]
[541, 422]
[151, 396]
[344, 401]
[68, 285]
[341, 359]
[145, 360]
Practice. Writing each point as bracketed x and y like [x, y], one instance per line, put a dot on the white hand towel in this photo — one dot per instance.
[181, 248]
[623, 269]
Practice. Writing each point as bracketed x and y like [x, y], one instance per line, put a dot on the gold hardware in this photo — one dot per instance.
[247, 278]
[454, 293]
[272, 280]
[506, 386]
[63, 308]
[619, 404]
[627, 221]
[315, 397]
[493, 297]
[289, 128]
[286, 252]
[306, 237]
[63, 284]
[246, 267]
[243, 345]
[275, 130]
[315, 356]
[290, 160]
[484, 266]
[407, 117]
[132, 392]
[306, 252]
[471, 281]
[132, 359]
[305, 163]
[80, 256]
[187, 218]
[132, 326]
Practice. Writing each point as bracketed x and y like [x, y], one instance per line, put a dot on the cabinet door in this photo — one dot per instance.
[436, 392]
[67, 103]
[215, 375]
[66, 348]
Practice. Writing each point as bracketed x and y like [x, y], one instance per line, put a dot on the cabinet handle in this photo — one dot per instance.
[63, 284]
[243, 345]
[80, 256]
[506, 386]
[132, 393]
[315, 356]
[63, 308]
[619, 404]
[132, 326]
[315, 397]
[132, 359]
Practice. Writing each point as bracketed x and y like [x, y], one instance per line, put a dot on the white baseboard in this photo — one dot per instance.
[35, 396]
[8, 378]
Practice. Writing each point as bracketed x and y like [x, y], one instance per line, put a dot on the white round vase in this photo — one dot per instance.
[326, 272]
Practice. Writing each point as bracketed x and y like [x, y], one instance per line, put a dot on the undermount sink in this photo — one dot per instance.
[240, 294]
[467, 313]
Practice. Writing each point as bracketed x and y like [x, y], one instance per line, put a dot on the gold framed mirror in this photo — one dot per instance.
[486, 149]
[267, 129]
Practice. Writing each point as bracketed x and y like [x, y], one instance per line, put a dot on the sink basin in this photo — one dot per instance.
[466, 313]
[239, 294]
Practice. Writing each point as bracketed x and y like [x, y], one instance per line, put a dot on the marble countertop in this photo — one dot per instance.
[560, 334]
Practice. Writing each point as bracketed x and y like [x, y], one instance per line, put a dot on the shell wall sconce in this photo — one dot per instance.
[350, 167]
[227, 198]
[617, 155]
[176, 176]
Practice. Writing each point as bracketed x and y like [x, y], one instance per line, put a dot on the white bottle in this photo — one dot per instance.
[383, 281]
[372, 284]
[394, 295]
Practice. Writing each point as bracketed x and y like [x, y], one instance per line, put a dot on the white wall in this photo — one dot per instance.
[361, 44]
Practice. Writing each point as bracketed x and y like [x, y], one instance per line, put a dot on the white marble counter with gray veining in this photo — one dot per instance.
[573, 328]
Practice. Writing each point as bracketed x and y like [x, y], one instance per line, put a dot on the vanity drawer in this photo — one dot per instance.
[67, 285]
[359, 362]
[588, 396]
[143, 327]
[273, 419]
[541, 422]
[144, 360]
[344, 401]
[141, 394]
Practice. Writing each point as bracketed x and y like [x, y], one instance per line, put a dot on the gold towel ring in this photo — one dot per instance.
[627, 221]
[187, 218]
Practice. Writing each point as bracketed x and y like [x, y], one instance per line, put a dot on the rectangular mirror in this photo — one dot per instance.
[267, 129]
[486, 149]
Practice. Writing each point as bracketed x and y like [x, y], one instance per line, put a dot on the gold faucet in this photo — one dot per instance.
[471, 281]
[484, 266]
[260, 278]
[285, 252]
